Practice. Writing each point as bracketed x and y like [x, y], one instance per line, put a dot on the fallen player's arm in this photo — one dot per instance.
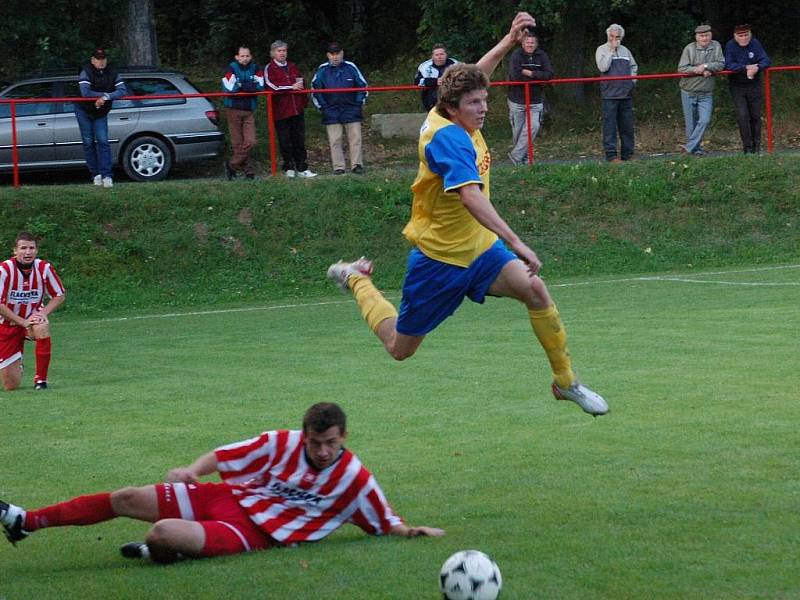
[406, 531]
[204, 465]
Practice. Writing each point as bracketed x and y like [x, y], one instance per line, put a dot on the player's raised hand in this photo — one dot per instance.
[181, 475]
[522, 22]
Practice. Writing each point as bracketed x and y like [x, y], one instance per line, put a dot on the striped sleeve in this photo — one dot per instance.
[5, 283]
[374, 514]
[52, 283]
[242, 461]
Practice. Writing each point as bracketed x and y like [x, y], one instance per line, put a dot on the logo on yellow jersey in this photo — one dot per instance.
[484, 165]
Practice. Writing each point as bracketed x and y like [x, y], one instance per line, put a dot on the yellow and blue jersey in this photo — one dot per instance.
[440, 226]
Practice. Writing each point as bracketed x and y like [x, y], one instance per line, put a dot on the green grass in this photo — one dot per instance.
[687, 489]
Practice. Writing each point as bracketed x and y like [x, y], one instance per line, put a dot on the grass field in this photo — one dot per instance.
[687, 489]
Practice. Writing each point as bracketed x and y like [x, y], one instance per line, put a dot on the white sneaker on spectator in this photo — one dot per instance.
[308, 173]
[290, 173]
[108, 182]
[98, 180]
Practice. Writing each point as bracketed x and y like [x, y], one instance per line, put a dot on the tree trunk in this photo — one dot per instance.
[141, 42]
[569, 50]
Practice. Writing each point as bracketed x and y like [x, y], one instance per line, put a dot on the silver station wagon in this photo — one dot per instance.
[147, 136]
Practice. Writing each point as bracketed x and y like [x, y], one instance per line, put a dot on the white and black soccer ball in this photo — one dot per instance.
[470, 575]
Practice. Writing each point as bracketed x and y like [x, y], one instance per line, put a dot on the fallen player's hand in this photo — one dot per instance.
[426, 531]
[181, 475]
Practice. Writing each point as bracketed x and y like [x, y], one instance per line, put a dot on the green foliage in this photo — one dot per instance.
[209, 242]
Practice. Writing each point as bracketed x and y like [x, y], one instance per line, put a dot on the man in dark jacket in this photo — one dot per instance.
[616, 60]
[745, 56]
[430, 72]
[282, 75]
[341, 111]
[243, 75]
[527, 63]
[99, 81]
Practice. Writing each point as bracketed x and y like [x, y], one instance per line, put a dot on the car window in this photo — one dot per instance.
[71, 90]
[29, 90]
[149, 86]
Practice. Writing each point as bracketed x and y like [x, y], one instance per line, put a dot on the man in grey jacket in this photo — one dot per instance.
[701, 60]
[615, 60]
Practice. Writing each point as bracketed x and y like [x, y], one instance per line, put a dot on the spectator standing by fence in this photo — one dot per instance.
[342, 112]
[430, 72]
[527, 63]
[103, 83]
[243, 75]
[614, 59]
[745, 56]
[282, 75]
[702, 59]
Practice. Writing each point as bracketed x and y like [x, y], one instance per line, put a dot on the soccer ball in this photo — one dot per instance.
[470, 575]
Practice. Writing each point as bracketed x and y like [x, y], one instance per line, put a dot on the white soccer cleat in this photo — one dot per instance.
[581, 395]
[340, 271]
[307, 174]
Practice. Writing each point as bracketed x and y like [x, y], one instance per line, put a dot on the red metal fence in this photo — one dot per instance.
[392, 88]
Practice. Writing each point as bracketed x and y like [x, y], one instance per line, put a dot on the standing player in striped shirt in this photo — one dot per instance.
[24, 282]
[281, 487]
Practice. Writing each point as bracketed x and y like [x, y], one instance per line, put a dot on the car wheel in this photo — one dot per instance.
[147, 159]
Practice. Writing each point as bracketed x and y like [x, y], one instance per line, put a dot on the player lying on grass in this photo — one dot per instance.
[25, 281]
[279, 488]
[455, 228]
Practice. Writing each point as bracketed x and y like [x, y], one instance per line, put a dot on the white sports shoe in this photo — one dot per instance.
[308, 173]
[108, 182]
[98, 180]
[581, 395]
[290, 173]
[340, 271]
[12, 518]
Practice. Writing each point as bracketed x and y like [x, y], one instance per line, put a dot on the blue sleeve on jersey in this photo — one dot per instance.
[451, 155]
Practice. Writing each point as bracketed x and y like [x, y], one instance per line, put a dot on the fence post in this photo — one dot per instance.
[14, 149]
[273, 169]
[528, 121]
[768, 100]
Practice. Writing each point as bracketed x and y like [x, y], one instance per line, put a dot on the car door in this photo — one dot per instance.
[121, 120]
[34, 124]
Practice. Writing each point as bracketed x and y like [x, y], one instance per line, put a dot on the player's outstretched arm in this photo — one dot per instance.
[202, 466]
[406, 531]
[492, 58]
[484, 212]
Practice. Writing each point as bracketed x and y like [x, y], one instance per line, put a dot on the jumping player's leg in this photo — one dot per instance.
[377, 311]
[514, 281]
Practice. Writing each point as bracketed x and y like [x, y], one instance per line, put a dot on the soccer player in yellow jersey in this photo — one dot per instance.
[455, 230]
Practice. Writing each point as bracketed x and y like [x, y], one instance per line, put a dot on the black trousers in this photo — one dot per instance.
[292, 142]
[747, 101]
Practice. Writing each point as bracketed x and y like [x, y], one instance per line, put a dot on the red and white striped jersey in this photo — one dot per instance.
[294, 502]
[24, 295]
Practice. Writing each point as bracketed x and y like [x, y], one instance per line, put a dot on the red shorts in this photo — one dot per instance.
[12, 341]
[228, 528]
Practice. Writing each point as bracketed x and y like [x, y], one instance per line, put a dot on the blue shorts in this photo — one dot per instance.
[433, 290]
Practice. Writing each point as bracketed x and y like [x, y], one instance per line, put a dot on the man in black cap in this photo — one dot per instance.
[745, 56]
[99, 81]
[341, 111]
[700, 60]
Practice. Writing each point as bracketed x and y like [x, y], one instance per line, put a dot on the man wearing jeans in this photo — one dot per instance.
[527, 63]
[615, 60]
[701, 60]
[99, 81]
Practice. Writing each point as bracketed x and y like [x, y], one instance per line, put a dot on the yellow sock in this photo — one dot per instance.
[548, 328]
[374, 307]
